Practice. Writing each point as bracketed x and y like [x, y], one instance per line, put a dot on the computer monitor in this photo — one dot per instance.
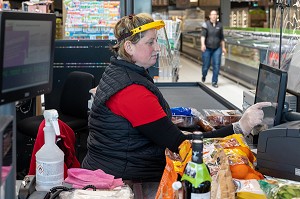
[26, 54]
[271, 87]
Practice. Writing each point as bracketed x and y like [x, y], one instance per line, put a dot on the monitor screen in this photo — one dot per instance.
[271, 87]
[26, 55]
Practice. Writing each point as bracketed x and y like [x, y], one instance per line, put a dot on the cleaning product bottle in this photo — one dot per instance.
[50, 158]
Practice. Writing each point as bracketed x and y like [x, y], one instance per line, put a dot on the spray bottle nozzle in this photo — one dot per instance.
[51, 119]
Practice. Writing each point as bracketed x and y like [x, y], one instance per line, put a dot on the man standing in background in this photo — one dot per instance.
[212, 46]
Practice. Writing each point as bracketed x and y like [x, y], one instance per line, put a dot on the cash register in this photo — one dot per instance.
[277, 145]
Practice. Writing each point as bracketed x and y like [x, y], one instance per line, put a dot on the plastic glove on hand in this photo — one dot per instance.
[252, 117]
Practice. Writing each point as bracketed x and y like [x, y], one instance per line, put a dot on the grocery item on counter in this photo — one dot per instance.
[186, 111]
[222, 182]
[219, 118]
[175, 165]
[196, 179]
[185, 121]
[276, 188]
[186, 117]
[246, 189]
[237, 151]
[205, 125]
[238, 157]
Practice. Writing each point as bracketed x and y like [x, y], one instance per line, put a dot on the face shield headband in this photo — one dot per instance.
[155, 24]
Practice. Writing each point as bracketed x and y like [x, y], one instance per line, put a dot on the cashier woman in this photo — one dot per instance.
[130, 121]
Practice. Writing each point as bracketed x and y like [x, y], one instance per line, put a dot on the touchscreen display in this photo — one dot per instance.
[271, 87]
[267, 91]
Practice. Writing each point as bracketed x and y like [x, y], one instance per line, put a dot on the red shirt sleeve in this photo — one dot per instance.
[137, 104]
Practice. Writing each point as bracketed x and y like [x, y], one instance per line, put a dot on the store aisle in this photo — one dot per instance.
[190, 71]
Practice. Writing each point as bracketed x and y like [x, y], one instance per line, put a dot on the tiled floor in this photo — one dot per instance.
[190, 71]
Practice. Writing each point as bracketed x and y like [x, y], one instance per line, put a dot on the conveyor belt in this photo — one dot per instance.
[194, 94]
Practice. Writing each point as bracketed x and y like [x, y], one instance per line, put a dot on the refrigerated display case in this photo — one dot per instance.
[244, 53]
[191, 44]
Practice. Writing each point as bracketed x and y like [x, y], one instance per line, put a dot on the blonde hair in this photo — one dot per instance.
[123, 27]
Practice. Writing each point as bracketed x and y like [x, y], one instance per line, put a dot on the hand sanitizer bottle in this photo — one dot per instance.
[50, 158]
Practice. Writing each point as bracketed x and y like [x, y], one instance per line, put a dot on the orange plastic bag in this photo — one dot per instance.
[239, 155]
[175, 165]
[169, 176]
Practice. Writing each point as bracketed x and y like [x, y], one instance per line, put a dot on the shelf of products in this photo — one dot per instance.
[239, 18]
[90, 19]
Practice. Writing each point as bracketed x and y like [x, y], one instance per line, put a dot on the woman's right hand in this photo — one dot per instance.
[203, 48]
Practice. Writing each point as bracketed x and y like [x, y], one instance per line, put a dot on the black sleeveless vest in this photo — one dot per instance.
[113, 144]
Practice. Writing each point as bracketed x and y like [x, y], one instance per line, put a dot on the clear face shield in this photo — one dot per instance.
[169, 56]
[163, 40]
[168, 34]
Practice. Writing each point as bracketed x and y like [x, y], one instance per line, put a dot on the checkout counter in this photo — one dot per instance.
[277, 148]
[272, 160]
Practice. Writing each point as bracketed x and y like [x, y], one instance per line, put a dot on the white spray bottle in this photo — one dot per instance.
[50, 158]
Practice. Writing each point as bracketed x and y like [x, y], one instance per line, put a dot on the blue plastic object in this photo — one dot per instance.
[181, 111]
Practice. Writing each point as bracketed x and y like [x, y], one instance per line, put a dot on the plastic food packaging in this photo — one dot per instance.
[186, 111]
[187, 117]
[184, 117]
[219, 118]
[205, 125]
[248, 189]
[238, 153]
[185, 121]
[175, 165]
[123, 192]
[276, 188]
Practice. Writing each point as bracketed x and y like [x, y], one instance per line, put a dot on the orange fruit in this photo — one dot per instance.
[251, 176]
[239, 171]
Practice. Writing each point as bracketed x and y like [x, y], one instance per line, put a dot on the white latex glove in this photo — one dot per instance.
[252, 117]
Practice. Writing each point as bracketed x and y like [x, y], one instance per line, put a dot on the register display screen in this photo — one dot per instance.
[27, 51]
[26, 54]
[271, 87]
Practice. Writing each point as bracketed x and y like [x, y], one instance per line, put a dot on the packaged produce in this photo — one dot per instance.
[239, 156]
[279, 188]
[236, 154]
[219, 118]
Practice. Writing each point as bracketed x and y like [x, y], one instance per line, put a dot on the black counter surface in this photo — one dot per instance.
[193, 94]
